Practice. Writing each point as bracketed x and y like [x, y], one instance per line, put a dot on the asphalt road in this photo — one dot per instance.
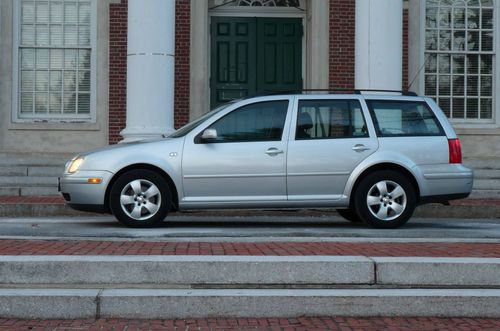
[253, 228]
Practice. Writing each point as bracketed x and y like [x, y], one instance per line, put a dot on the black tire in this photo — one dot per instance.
[140, 209]
[350, 215]
[389, 209]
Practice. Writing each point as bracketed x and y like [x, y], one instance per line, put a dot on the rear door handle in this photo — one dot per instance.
[360, 148]
[274, 151]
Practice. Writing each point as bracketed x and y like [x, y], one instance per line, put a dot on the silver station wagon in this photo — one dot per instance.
[372, 157]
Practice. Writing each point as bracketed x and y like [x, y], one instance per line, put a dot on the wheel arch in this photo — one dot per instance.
[144, 166]
[385, 166]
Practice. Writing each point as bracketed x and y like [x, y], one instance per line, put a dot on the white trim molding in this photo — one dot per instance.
[417, 35]
[16, 63]
[315, 66]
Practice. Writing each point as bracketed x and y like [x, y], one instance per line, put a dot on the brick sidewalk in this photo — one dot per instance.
[302, 323]
[87, 247]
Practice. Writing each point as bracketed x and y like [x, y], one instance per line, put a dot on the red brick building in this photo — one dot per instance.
[64, 62]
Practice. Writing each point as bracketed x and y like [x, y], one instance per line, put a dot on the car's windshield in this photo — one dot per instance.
[192, 125]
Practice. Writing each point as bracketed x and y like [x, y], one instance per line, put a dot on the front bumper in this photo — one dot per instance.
[76, 189]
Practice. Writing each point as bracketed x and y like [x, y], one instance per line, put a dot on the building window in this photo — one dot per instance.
[55, 60]
[460, 57]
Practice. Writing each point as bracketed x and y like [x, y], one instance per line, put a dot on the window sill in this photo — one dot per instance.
[60, 126]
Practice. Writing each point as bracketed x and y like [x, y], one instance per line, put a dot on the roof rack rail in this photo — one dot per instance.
[406, 93]
[355, 91]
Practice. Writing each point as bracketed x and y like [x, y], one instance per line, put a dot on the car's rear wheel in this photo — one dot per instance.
[385, 199]
[140, 198]
[350, 215]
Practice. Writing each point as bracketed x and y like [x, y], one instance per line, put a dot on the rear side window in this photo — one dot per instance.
[404, 118]
[329, 119]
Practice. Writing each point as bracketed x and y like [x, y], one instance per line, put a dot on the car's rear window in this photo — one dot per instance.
[403, 118]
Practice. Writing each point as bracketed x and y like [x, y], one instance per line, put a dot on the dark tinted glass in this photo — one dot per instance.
[328, 119]
[261, 121]
[404, 118]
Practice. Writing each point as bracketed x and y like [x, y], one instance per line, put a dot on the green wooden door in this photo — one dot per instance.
[252, 56]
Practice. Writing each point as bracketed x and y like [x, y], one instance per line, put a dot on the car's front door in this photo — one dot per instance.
[331, 138]
[246, 163]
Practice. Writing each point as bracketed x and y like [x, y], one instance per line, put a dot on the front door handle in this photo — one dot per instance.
[360, 148]
[274, 151]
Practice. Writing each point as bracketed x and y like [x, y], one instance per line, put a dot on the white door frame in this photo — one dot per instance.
[315, 66]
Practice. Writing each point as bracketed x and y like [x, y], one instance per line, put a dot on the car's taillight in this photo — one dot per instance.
[455, 150]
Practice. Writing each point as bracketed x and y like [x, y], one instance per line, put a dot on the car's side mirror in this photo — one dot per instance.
[209, 135]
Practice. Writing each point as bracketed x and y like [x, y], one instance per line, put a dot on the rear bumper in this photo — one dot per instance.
[441, 183]
[442, 198]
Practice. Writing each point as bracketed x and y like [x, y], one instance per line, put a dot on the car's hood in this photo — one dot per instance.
[155, 152]
[122, 145]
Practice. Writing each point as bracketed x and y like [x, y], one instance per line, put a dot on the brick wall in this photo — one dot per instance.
[405, 49]
[342, 25]
[117, 69]
[182, 50]
[342, 44]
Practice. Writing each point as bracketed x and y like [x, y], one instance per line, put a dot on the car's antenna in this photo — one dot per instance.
[417, 74]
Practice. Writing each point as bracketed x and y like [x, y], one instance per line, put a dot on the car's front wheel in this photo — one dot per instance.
[385, 199]
[140, 198]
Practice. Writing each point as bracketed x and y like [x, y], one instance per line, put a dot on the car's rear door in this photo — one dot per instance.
[330, 136]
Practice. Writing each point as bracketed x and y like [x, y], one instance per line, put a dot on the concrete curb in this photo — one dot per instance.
[38, 210]
[227, 270]
[250, 270]
[417, 271]
[430, 210]
[163, 286]
[182, 303]
[458, 211]
[293, 303]
[48, 303]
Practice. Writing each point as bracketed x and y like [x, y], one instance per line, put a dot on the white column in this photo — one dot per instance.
[379, 44]
[199, 93]
[150, 69]
[317, 50]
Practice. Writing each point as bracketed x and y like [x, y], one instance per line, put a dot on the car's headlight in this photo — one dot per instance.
[75, 165]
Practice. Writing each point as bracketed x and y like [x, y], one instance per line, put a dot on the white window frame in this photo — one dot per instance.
[494, 122]
[47, 118]
[237, 10]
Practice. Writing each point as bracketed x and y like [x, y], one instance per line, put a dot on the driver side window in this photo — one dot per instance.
[263, 121]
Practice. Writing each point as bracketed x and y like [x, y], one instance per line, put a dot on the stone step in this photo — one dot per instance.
[39, 191]
[10, 191]
[28, 191]
[483, 163]
[485, 194]
[154, 303]
[186, 270]
[17, 181]
[486, 184]
[34, 159]
[151, 287]
[45, 171]
[13, 171]
[249, 270]
[32, 171]
[486, 174]
[433, 210]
